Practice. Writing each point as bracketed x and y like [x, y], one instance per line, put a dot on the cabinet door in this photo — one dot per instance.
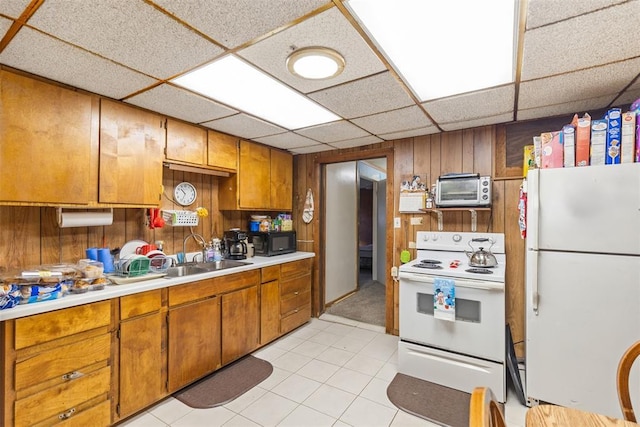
[281, 180]
[45, 142]
[141, 363]
[186, 143]
[131, 152]
[222, 151]
[269, 311]
[194, 342]
[254, 176]
[240, 325]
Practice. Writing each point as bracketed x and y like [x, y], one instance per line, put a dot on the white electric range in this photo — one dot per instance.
[468, 349]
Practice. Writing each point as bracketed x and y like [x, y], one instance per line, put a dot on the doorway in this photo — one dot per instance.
[355, 250]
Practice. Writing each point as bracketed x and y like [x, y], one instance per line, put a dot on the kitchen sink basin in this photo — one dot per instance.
[202, 267]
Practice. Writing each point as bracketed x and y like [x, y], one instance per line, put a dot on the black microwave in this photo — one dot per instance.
[273, 242]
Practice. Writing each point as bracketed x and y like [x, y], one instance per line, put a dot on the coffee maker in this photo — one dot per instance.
[235, 244]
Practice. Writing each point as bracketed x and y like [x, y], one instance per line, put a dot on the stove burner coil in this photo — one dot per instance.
[428, 265]
[430, 261]
[479, 270]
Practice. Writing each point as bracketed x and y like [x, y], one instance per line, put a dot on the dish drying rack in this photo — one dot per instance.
[180, 218]
[142, 265]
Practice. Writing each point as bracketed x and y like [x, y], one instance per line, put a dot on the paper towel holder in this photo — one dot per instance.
[84, 218]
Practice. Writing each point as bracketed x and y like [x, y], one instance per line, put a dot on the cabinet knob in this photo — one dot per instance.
[67, 414]
[296, 293]
[72, 375]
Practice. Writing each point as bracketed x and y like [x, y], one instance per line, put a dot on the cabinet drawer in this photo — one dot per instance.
[295, 268]
[60, 399]
[269, 274]
[195, 291]
[295, 319]
[294, 301]
[292, 286]
[95, 416]
[139, 304]
[68, 360]
[61, 323]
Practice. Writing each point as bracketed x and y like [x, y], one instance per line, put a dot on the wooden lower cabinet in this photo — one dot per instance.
[269, 311]
[57, 367]
[240, 327]
[142, 358]
[194, 342]
[295, 294]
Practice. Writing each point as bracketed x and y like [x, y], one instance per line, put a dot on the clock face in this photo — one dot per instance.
[185, 193]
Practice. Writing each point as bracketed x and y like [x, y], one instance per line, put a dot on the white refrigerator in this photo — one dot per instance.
[582, 284]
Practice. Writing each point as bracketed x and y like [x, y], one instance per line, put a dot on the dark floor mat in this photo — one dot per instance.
[433, 402]
[226, 384]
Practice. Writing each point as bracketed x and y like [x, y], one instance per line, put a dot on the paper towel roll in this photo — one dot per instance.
[84, 219]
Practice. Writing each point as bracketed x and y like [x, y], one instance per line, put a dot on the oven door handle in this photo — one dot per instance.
[419, 278]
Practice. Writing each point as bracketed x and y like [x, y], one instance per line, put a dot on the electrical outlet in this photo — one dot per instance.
[412, 245]
[416, 220]
[394, 272]
[396, 222]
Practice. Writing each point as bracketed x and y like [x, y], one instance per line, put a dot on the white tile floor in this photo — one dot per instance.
[330, 372]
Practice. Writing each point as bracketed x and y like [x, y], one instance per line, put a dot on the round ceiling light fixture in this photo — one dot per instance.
[315, 63]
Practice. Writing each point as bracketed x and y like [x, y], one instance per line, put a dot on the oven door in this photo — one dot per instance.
[479, 326]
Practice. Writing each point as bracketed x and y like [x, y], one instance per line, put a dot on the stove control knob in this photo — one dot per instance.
[425, 237]
[457, 238]
[434, 237]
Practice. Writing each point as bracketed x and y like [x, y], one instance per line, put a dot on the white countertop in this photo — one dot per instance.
[114, 291]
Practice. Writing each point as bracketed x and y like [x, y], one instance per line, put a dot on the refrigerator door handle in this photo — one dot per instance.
[532, 277]
[533, 209]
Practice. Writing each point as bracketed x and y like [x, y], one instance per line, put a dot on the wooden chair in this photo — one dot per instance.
[484, 410]
[624, 368]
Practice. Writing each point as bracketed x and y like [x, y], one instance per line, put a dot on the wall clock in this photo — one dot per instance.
[185, 193]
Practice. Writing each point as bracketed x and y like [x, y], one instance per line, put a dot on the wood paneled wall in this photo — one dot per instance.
[471, 150]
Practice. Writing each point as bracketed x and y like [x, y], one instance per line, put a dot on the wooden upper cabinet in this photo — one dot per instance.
[46, 143]
[254, 176]
[264, 180]
[186, 143]
[281, 180]
[132, 145]
[222, 151]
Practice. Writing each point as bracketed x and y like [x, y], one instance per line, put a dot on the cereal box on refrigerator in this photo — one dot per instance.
[569, 143]
[598, 141]
[583, 139]
[552, 151]
[614, 128]
[628, 139]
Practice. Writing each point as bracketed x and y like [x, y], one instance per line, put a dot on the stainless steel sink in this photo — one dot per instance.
[202, 267]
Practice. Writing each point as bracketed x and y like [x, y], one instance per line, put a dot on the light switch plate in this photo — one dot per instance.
[396, 222]
[412, 245]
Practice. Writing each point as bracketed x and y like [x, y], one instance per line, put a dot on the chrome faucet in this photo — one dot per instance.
[199, 239]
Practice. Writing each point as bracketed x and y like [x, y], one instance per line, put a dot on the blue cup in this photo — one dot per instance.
[92, 254]
[104, 256]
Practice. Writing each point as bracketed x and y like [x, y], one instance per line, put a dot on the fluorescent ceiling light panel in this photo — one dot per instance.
[239, 85]
[443, 48]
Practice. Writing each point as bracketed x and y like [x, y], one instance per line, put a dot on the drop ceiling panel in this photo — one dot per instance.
[543, 12]
[311, 149]
[131, 33]
[589, 40]
[179, 103]
[501, 118]
[334, 131]
[630, 95]
[484, 103]
[4, 26]
[64, 63]
[357, 142]
[568, 109]
[232, 22]
[409, 133]
[287, 140]
[394, 121]
[244, 126]
[13, 9]
[328, 29]
[370, 95]
[586, 84]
